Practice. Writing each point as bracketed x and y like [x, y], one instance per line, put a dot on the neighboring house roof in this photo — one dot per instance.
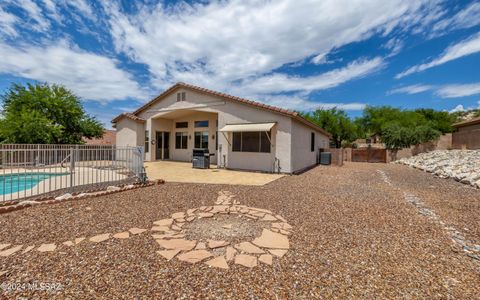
[275, 109]
[128, 116]
[109, 138]
[467, 122]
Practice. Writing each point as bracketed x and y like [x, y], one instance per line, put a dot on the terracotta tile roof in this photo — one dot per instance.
[467, 122]
[279, 110]
[108, 138]
[129, 116]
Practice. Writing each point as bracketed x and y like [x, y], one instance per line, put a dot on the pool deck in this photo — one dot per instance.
[173, 171]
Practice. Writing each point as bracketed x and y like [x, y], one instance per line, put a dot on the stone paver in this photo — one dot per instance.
[266, 259]
[164, 222]
[179, 244]
[161, 228]
[68, 243]
[136, 230]
[100, 238]
[201, 246]
[205, 215]
[168, 236]
[47, 247]
[270, 239]
[168, 254]
[269, 218]
[249, 248]
[27, 249]
[246, 260]
[3, 246]
[178, 215]
[79, 240]
[122, 235]
[10, 251]
[217, 244]
[277, 252]
[230, 253]
[195, 256]
[218, 262]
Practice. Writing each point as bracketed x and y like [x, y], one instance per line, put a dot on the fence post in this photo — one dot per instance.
[72, 167]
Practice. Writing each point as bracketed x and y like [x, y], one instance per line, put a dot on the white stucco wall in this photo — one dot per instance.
[130, 133]
[302, 156]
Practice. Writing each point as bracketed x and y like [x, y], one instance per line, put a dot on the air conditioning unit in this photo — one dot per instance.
[325, 158]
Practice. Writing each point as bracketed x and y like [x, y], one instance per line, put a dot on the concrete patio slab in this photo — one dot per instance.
[183, 172]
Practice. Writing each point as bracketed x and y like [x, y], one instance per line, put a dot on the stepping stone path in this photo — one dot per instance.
[170, 233]
[272, 243]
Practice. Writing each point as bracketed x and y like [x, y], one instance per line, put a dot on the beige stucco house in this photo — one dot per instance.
[242, 134]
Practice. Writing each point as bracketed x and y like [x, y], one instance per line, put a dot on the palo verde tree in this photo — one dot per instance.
[45, 114]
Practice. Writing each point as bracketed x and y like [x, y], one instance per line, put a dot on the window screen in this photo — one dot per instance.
[312, 142]
[181, 125]
[251, 142]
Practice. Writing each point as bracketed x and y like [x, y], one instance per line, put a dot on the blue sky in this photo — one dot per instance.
[295, 54]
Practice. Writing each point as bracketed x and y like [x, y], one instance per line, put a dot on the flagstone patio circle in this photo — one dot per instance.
[262, 234]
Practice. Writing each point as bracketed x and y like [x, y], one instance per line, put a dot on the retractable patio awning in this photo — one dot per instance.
[249, 127]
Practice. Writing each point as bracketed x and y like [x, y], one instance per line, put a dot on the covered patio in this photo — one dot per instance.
[172, 171]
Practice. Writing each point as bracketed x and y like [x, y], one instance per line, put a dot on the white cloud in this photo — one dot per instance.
[35, 13]
[301, 103]
[465, 18]
[91, 76]
[411, 89]
[278, 83]
[217, 43]
[457, 109]
[461, 49]
[459, 90]
[7, 23]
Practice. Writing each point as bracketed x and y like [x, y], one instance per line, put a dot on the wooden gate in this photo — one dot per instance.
[370, 155]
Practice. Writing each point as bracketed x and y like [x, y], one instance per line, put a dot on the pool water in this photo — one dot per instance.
[12, 183]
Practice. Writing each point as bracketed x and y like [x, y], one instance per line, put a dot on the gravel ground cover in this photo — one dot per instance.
[354, 236]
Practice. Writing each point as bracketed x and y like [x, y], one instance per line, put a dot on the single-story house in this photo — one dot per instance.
[242, 134]
[467, 134]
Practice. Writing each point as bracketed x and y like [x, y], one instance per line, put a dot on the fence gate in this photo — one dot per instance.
[370, 155]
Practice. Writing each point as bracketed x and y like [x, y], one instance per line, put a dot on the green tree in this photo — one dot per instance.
[45, 114]
[336, 122]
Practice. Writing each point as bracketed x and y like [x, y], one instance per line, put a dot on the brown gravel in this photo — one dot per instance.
[354, 236]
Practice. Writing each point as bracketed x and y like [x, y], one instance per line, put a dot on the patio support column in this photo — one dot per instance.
[150, 155]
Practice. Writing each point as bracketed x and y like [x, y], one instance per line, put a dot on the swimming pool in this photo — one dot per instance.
[17, 182]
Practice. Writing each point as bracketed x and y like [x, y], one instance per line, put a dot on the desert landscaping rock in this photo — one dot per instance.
[178, 244]
[218, 262]
[169, 254]
[246, 260]
[47, 248]
[11, 251]
[228, 226]
[194, 256]
[270, 239]
[100, 238]
[201, 246]
[161, 228]
[122, 235]
[461, 165]
[266, 259]
[136, 230]
[353, 237]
